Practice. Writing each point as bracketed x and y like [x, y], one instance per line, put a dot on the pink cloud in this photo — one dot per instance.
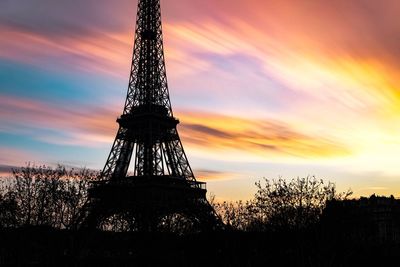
[91, 126]
[15, 157]
[99, 53]
[70, 125]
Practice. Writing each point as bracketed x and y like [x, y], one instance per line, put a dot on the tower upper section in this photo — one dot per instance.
[148, 87]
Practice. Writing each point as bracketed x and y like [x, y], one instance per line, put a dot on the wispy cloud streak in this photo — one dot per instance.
[93, 126]
[56, 124]
[265, 138]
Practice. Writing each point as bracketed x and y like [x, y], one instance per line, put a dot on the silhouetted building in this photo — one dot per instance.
[163, 185]
[374, 219]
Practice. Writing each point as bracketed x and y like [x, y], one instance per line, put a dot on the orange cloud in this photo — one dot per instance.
[94, 126]
[264, 138]
[351, 96]
[212, 175]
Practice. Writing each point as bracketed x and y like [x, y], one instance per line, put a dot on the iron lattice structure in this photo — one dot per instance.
[163, 182]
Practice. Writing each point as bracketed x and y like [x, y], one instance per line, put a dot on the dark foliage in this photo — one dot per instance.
[43, 196]
[280, 205]
[38, 206]
[54, 197]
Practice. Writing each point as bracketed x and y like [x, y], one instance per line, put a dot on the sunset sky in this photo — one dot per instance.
[262, 88]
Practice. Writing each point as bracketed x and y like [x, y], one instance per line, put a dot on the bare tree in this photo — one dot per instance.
[41, 195]
[8, 209]
[279, 205]
[236, 215]
[294, 204]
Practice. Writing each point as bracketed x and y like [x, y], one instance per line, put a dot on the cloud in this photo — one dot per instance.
[212, 175]
[10, 157]
[207, 131]
[363, 29]
[104, 53]
[69, 125]
[6, 168]
[356, 27]
[287, 55]
[265, 138]
[94, 126]
[285, 65]
[74, 17]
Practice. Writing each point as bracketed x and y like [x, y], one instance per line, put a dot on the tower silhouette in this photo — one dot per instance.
[163, 183]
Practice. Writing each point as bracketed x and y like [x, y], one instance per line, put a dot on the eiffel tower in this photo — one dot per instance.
[162, 184]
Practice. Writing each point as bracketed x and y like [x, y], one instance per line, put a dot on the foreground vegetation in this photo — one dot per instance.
[282, 225]
[54, 197]
[280, 205]
[43, 196]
